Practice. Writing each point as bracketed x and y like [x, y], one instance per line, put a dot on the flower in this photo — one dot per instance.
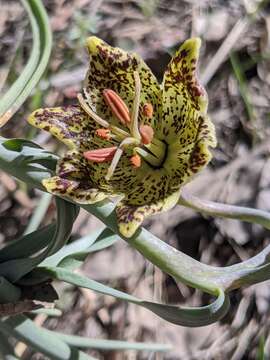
[129, 136]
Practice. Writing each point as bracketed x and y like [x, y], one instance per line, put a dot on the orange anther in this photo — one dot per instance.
[100, 155]
[148, 110]
[117, 105]
[147, 134]
[103, 133]
[135, 160]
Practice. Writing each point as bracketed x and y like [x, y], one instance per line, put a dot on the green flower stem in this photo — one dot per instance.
[175, 263]
[223, 210]
[253, 270]
[167, 258]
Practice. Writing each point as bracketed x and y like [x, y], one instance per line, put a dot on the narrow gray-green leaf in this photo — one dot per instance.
[15, 269]
[39, 213]
[185, 316]
[82, 343]
[47, 343]
[28, 245]
[80, 248]
[6, 350]
[9, 293]
[17, 87]
[42, 44]
[26, 161]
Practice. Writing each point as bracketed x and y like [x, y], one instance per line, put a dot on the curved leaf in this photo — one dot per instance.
[9, 293]
[39, 213]
[26, 161]
[36, 65]
[184, 316]
[6, 350]
[79, 249]
[82, 343]
[28, 245]
[41, 340]
[15, 269]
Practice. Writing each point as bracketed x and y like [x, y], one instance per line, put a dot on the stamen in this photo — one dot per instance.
[117, 156]
[117, 131]
[103, 134]
[136, 161]
[90, 112]
[147, 134]
[148, 110]
[100, 155]
[134, 126]
[117, 105]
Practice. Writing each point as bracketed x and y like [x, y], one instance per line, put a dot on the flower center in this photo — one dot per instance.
[138, 137]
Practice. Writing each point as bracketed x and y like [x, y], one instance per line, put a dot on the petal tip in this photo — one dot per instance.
[127, 230]
[194, 43]
[92, 44]
[32, 118]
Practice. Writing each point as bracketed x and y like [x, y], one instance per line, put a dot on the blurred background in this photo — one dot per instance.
[234, 67]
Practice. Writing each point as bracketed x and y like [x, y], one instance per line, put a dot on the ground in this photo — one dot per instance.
[234, 67]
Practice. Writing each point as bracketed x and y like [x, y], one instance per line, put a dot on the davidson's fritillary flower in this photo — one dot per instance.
[128, 135]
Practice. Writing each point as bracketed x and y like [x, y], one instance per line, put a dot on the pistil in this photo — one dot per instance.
[134, 126]
[117, 156]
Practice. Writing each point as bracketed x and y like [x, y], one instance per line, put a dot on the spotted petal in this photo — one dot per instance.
[70, 124]
[185, 125]
[184, 99]
[183, 162]
[113, 68]
[73, 180]
[130, 217]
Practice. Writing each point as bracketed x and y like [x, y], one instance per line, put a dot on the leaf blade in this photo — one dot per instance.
[184, 316]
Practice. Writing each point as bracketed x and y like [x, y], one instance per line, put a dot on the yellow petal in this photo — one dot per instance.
[184, 99]
[73, 190]
[73, 180]
[70, 124]
[130, 217]
[187, 158]
[113, 68]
